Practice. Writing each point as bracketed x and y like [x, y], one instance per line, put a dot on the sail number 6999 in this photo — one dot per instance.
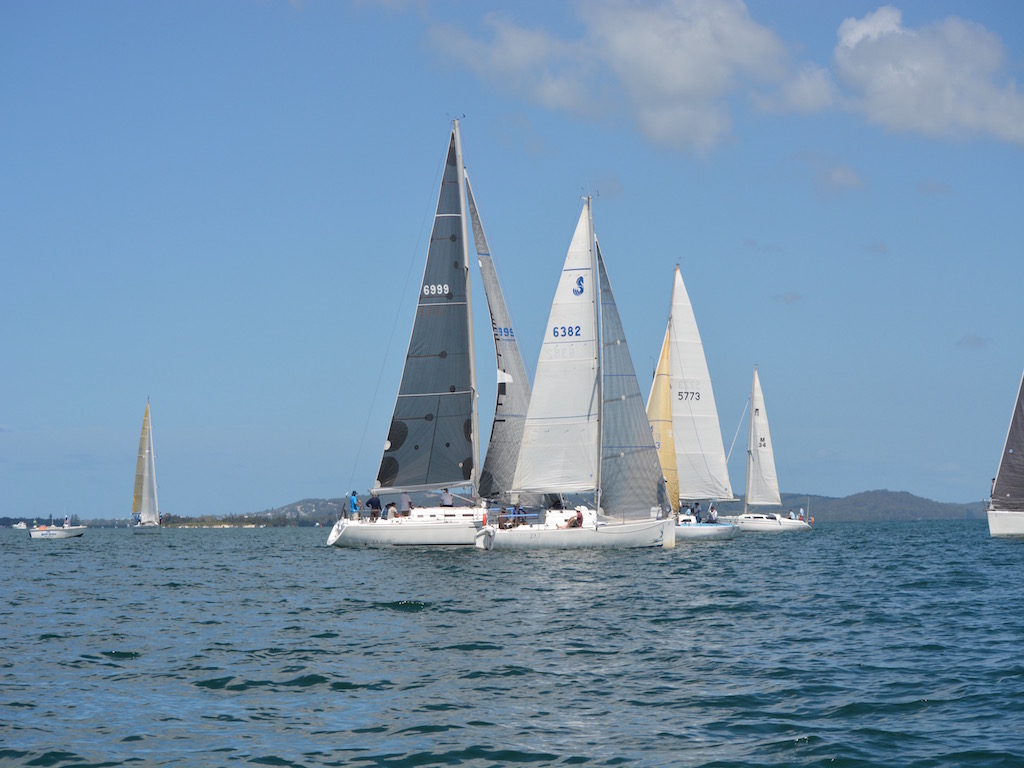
[435, 289]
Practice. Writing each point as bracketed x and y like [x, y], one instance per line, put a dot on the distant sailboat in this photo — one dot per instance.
[684, 422]
[145, 511]
[1006, 505]
[433, 441]
[586, 432]
[762, 481]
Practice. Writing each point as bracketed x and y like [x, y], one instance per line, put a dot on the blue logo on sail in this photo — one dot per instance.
[578, 290]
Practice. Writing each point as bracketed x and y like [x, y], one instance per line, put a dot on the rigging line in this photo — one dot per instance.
[394, 323]
[738, 426]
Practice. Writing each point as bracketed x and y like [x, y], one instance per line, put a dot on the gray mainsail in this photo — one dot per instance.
[432, 442]
[513, 395]
[1008, 488]
[631, 477]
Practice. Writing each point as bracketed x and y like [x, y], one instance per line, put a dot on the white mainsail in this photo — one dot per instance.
[144, 503]
[682, 412]
[762, 482]
[560, 450]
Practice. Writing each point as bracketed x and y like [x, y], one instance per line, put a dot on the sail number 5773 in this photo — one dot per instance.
[688, 395]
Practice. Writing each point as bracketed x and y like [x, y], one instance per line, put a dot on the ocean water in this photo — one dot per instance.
[894, 644]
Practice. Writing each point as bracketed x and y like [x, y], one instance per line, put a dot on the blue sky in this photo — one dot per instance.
[224, 207]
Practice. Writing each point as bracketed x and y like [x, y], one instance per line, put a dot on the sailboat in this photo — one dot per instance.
[586, 432]
[762, 481]
[1006, 505]
[145, 512]
[433, 440]
[684, 422]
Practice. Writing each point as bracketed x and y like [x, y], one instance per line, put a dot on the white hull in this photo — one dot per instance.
[593, 534]
[427, 526]
[1004, 522]
[692, 531]
[146, 528]
[20, 526]
[768, 522]
[57, 532]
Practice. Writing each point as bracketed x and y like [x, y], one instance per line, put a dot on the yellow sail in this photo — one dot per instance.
[140, 466]
[659, 414]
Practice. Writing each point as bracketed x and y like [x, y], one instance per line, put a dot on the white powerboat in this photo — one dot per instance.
[56, 531]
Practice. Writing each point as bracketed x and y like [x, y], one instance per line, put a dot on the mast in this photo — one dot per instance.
[461, 168]
[600, 352]
[750, 446]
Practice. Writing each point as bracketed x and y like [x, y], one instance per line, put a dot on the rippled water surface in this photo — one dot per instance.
[897, 644]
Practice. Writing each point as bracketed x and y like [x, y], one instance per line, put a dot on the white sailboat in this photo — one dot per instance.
[433, 441]
[586, 431]
[684, 423]
[1006, 505]
[762, 481]
[145, 511]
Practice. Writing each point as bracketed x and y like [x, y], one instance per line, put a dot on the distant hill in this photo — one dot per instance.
[873, 505]
[869, 505]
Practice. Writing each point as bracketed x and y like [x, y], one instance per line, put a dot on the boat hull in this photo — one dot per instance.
[1005, 522]
[758, 522]
[57, 532]
[706, 531]
[646, 533]
[428, 526]
[144, 528]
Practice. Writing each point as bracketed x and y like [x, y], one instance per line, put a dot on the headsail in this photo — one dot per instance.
[144, 503]
[432, 441]
[513, 395]
[631, 477]
[762, 482]
[659, 415]
[1008, 488]
[560, 451]
[696, 435]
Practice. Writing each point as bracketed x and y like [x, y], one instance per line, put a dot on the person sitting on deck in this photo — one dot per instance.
[575, 521]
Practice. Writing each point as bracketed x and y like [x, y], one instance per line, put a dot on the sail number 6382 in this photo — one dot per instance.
[565, 330]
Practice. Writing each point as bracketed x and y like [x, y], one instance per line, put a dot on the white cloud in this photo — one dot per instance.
[672, 65]
[938, 80]
[550, 71]
[831, 177]
[972, 341]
